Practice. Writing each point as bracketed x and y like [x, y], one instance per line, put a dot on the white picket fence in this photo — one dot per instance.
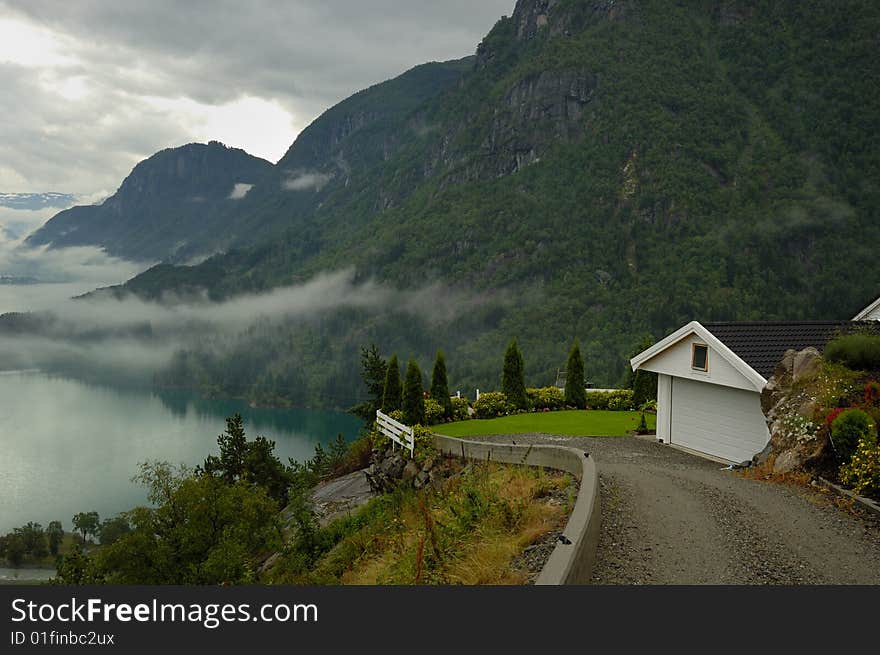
[396, 431]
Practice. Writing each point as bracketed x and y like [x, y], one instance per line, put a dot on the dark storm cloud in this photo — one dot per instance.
[303, 55]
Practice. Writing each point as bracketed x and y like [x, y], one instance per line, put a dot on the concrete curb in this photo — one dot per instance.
[571, 561]
[867, 503]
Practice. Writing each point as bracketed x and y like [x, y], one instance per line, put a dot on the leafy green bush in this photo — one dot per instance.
[545, 398]
[621, 400]
[860, 352]
[492, 404]
[460, 409]
[424, 440]
[848, 430]
[862, 472]
[616, 401]
[434, 411]
[598, 399]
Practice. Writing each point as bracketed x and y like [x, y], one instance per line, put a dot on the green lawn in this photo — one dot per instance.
[576, 423]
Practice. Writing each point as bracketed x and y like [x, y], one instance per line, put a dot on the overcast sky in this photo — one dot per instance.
[91, 87]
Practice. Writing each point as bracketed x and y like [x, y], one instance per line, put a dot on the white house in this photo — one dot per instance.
[710, 378]
[869, 313]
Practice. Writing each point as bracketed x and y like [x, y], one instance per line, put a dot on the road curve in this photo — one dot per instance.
[669, 517]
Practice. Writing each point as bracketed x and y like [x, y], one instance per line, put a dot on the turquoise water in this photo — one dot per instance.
[68, 447]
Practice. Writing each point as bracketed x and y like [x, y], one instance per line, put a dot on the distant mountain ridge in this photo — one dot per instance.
[33, 201]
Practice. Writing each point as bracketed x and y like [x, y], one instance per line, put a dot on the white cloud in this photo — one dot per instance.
[92, 87]
[240, 190]
[26, 44]
[305, 181]
[261, 127]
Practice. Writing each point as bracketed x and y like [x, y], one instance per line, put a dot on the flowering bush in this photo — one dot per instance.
[424, 443]
[546, 398]
[848, 430]
[862, 472]
[833, 414]
[619, 400]
[460, 409]
[492, 404]
[434, 411]
[798, 427]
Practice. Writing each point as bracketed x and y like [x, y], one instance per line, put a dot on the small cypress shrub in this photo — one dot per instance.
[513, 384]
[575, 390]
[413, 396]
[392, 398]
[440, 385]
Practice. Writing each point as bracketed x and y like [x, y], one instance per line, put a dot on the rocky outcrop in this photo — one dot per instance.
[391, 468]
[789, 404]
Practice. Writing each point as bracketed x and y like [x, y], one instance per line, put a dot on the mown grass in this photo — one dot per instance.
[469, 531]
[575, 423]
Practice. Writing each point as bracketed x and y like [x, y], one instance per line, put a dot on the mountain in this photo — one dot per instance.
[199, 199]
[601, 170]
[33, 201]
[170, 205]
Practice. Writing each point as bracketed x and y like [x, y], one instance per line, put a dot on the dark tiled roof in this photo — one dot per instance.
[762, 345]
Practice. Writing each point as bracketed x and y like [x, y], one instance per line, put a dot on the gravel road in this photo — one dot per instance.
[669, 517]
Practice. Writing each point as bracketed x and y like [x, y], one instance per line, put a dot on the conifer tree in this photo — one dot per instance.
[575, 393]
[391, 397]
[513, 384]
[413, 396]
[440, 384]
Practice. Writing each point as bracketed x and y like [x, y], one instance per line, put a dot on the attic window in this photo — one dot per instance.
[700, 357]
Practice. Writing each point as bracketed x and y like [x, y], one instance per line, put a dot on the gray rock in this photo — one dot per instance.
[806, 363]
[788, 461]
[410, 470]
[787, 406]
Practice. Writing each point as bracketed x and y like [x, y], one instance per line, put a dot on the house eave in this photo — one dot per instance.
[863, 315]
[757, 380]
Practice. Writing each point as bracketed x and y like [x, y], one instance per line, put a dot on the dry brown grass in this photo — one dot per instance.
[765, 473]
[482, 555]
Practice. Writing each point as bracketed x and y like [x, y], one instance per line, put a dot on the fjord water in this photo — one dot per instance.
[68, 447]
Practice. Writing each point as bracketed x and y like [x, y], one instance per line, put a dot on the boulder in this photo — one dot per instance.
[806, 364]
[789, 404]
[410, 470]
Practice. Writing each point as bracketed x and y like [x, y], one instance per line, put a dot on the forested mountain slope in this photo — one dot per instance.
[604, 170]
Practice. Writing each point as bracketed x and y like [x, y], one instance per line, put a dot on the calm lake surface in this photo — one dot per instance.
[67, 446]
